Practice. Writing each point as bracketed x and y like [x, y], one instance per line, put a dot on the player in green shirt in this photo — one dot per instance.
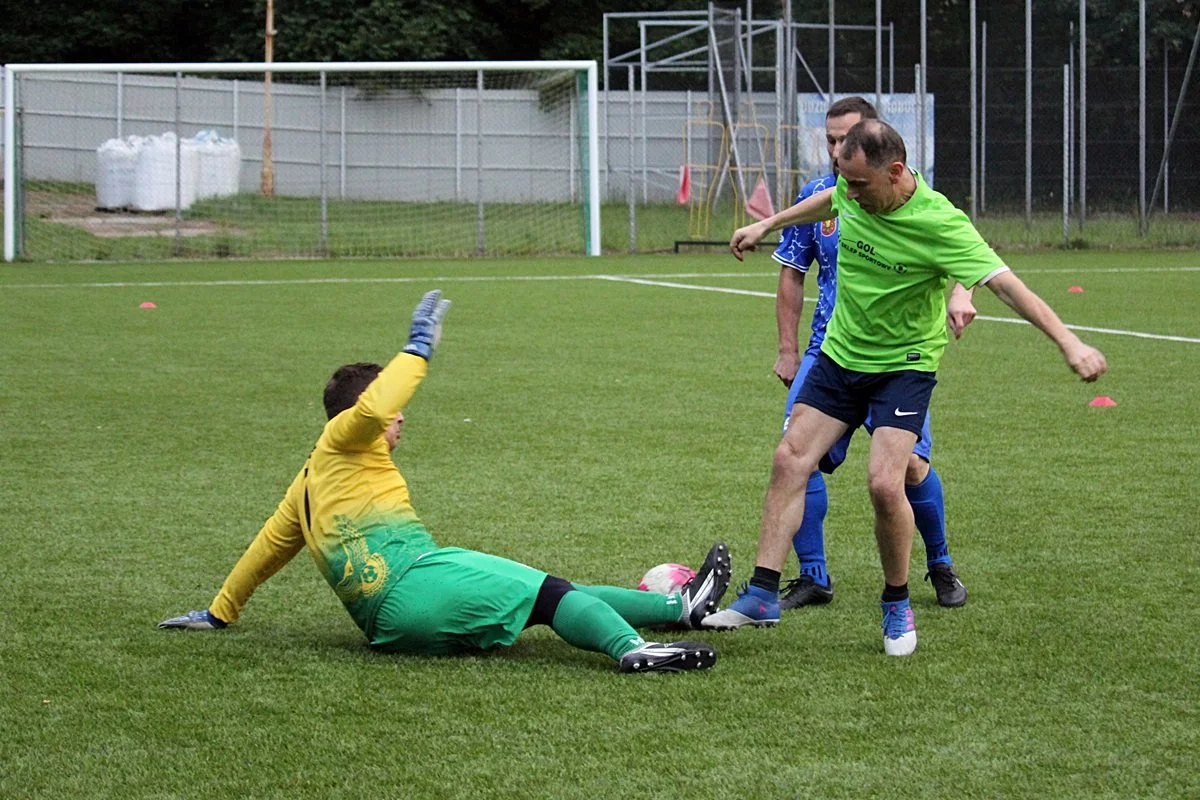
[900, 243]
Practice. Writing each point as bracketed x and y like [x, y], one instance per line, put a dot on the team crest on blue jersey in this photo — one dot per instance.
[829, 227]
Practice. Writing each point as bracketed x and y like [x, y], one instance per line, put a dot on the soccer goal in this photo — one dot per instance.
[284, 160]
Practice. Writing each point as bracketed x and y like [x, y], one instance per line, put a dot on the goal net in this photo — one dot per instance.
[152, 161]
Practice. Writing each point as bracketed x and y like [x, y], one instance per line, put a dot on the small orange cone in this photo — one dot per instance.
[1075, 289]
[147, 304]
[1102, 401]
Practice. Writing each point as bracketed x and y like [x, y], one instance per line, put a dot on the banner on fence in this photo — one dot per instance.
[898, 110]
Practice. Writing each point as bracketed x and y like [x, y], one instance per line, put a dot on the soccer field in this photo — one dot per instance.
[591, 417]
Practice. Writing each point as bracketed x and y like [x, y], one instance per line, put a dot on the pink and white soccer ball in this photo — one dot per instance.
[666, 578]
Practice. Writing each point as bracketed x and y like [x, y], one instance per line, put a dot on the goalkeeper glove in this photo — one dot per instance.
[426, 325]
[194, 621]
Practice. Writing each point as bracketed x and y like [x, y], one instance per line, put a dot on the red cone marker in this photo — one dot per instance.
[1102, 401]
[1075, 289]
[147, 304]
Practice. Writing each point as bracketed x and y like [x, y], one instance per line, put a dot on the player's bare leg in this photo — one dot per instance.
[810, 434]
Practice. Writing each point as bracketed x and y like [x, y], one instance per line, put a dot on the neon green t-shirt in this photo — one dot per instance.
[893, 268]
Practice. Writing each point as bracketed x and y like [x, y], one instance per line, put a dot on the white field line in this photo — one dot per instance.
[644, 280]
[1085, 272]
[489, 278]
[1113, 331]
[351, 281]
[670, 285]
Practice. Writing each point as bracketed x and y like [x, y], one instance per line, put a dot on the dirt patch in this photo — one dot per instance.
[111, 226]
[78, 209]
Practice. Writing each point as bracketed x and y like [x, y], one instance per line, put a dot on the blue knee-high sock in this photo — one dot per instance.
[929, 511]
[809, 540]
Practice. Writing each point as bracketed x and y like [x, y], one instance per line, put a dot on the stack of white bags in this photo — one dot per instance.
[139, 172]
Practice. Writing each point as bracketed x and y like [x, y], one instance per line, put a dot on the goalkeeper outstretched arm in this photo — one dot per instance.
[358, 427]
[282, 536]
[279, 540]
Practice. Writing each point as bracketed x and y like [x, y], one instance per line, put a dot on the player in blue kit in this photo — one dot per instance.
[801, 246]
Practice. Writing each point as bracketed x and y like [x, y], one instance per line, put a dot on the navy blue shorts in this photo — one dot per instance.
[837, 454]
[890, 399]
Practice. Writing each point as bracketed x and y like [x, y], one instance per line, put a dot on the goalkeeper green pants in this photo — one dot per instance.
[459, 601]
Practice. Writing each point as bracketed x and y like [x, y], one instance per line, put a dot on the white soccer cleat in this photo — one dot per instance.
[899, 629]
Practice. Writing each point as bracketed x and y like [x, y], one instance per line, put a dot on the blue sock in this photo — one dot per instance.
[929, 511]
[809, 541]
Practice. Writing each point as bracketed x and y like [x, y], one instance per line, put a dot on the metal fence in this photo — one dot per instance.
[415, 144]
[74, 114]
[653, 147]
[423, 144]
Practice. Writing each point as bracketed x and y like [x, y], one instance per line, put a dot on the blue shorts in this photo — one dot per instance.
[837, 454]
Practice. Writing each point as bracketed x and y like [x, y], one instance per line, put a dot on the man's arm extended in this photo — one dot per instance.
[811, 209]
[1086, 361]
[789, 305]
[279, 540]
[358, 427]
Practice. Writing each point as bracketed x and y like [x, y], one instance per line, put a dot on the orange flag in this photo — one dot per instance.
[759, 204]
[685, 185]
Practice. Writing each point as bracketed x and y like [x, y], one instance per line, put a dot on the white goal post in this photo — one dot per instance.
[315, 159]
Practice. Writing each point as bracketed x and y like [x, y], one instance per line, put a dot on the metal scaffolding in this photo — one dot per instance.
[754, 71]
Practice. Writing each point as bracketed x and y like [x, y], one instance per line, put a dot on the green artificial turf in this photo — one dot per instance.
[592, 428]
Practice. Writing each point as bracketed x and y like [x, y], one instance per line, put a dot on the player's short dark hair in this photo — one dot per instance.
[347, 383]
[852, 105]
[880, 143]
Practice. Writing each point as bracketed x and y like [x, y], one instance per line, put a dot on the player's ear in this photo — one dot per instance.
[896, 170]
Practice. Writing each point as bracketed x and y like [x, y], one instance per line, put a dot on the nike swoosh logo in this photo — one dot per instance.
[900, 413]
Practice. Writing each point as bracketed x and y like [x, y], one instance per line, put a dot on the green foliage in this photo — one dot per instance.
[426, 30]
[131, 30]
[1113, 28]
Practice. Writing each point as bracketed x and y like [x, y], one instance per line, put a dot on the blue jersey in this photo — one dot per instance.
[801, 245]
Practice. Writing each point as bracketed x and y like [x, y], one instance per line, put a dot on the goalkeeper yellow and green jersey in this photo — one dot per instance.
[349, 505]
[893, 268]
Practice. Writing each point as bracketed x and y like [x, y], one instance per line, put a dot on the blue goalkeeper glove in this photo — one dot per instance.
[426, 325]
[194, 621]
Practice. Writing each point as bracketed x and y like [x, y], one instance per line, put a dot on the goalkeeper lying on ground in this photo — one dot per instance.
[349, 505]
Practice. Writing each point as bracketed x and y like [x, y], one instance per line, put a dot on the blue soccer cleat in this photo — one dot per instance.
[754, 606]
[899, 629]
